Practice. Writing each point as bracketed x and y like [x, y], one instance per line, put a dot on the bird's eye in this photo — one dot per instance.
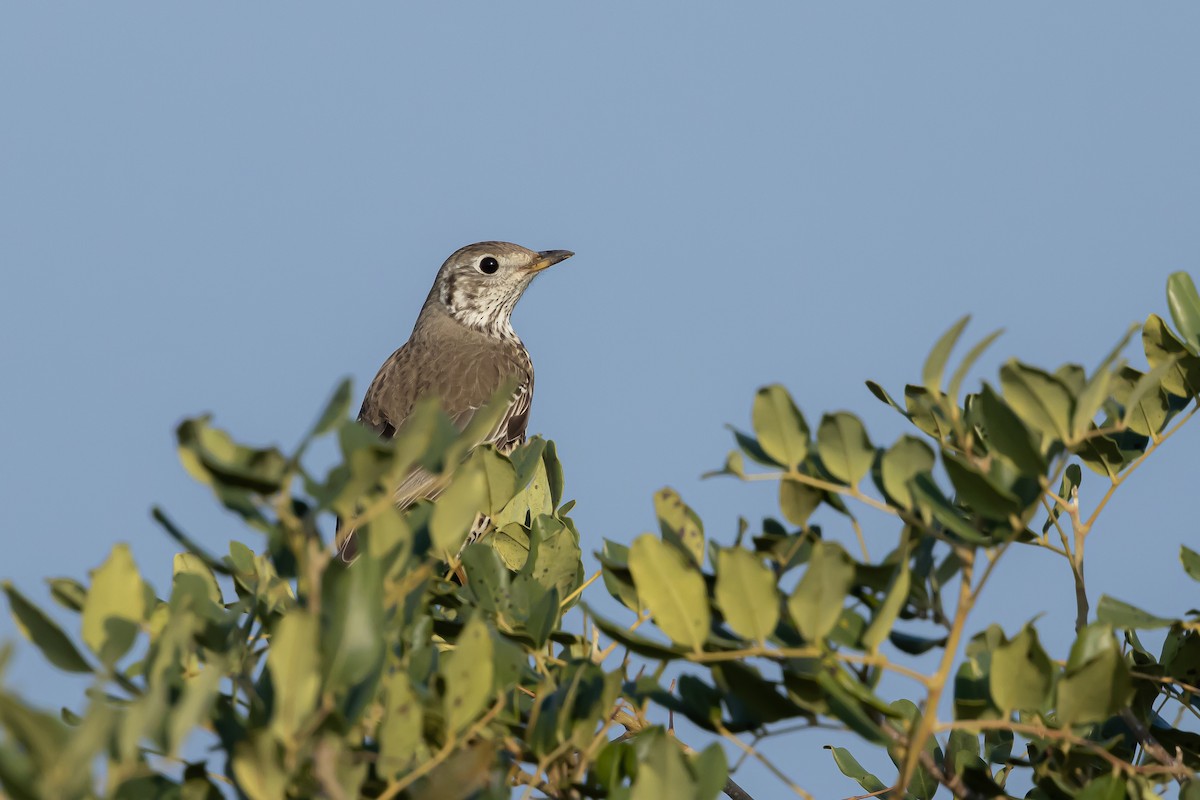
[488, 265]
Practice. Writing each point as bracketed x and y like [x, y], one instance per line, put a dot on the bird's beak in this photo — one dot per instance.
[549, 258]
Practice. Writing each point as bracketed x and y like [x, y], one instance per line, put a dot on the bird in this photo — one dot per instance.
[462, 350]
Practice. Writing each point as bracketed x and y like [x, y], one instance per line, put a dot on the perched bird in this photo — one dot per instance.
[462, 350]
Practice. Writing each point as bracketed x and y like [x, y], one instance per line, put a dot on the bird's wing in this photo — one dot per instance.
[465, 382]
[464, 386]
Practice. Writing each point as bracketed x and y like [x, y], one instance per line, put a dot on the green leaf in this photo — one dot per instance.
[500, 476]
[672, 589]
[1039, 398]
[1191, 562]
[662, 771]
[977, 490]
[1104, 787]
[816, 602]
[922, 785]
[636, 643]
[553, 561]
[750, 446]
[68, 593]
[191, 564]
[846, 706]
[1072, 477]
[468, 675]
[710, 770]
[930, 499]
[195, 705]
[1097, 683]
[401, 743]
[1161, 346]
[1102, 455]
[1145, 401]
[257, 769]
[44, 632]
[1184, 303]
[845, 450]
[456, 509]
[1021, 674]
[899, 464]
[211, 456]
[614, 558]
[798, 500]
[487, 578]
[935, 363]
[334, 412]
[679, 523]
[531, 500]
[351, 618]
[746, 594]
[1008, 435]
[968, 361]
[116, 606]
[850, 767]
[887, 613]
[925, 413]
[1123, 615]
[1094, 393]
[294, 662]
[884, 397]
[780, 427]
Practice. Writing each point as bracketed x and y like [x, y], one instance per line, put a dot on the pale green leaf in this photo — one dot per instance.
[468, 675]
[1039, 398]
[844, 447]
[935, 362]
[673, 590]
[294, 662]
[779, 426]
[115, 607]
[889, 611]
[1184, 303]
[746, 594]
[816, 602]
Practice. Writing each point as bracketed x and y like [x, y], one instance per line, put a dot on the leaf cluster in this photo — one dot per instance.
[432, 670]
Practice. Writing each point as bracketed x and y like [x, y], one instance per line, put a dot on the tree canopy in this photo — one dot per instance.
[429, 671]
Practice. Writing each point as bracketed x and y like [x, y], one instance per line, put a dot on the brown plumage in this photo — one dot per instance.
[462, 350]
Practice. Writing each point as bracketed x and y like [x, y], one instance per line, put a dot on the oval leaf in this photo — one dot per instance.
[746, 594]
[672, 589]
[781, 429]
[844, 447]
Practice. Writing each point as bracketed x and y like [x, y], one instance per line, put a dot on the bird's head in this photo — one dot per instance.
[480, 284]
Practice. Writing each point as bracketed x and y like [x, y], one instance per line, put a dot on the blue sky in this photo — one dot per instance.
[228, 207]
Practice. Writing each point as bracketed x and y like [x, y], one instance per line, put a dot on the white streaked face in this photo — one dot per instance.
[480, 284]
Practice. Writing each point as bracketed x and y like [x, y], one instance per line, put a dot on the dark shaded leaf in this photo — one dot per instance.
[44, 632]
